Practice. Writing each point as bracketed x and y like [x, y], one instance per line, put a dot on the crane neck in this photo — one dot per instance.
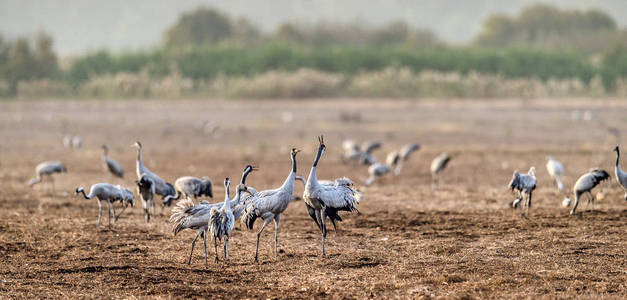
[617, 156]
[293, 162]
[84, 195]
[244, 175]
[320, 150]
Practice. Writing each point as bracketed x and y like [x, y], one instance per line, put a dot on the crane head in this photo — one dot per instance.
[137, 144]
[321, 141]
[616, 148]
[78, 190]
[295, 151]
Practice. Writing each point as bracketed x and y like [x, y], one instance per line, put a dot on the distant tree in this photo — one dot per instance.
[545, 26]
[245, 32]
[45, 58]
[198, 27]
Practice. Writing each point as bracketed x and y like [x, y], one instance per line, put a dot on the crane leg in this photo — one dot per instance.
[204, 241]
[99, 213]
[189, 261]
[265, 223]
[572, 210]
[226, 248]
[277, 222]
[215, 245]
[109, 212]
[118, 216]
[529, 202]
[324, 229]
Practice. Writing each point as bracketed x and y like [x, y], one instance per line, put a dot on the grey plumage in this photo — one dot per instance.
[525, 184]
[111, 164]
[621, 176]
[319, 199]
[438, 165]
[110, 194]
[45, 170]
[269, 206]
[360, 154]
[403, 155]
[189, 186]
[146, 191]
[222, 222]
[162, 187]
[586, 183]
[377, 170]
[186, 215]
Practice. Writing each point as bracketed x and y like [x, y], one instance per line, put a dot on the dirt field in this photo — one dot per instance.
[457, 241]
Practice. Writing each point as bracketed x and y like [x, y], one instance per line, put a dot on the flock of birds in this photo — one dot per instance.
[323, 198]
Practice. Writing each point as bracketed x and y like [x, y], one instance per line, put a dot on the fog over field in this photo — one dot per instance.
[78, 25]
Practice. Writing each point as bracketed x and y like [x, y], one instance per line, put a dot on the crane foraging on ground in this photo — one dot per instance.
[585, 184]
[324, 200]
[269, 206]
[186, 215]
[525, 184]
[222, 220]
[162, 187]
[555, 170]
[45, 170]
[379, 170]
[111, 164]
[401, 156]
[110, 194]
[621, 177]
[189, 186]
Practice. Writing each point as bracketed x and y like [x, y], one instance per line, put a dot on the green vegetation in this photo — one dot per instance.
[207, 53]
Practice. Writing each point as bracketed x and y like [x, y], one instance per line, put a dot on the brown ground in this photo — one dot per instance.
[458, 241]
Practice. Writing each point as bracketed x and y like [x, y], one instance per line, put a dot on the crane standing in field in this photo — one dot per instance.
[322, 199]
[222, 220]
[111, 164]
[524, 184]
[555, 169]
[46, 170]
[161, 186]
[270, 204]
[189, 186]
[585, 184]
[146, 191]
[186, 215]
[621, 177]
[110, 194]
[378, 170]
[438, 165]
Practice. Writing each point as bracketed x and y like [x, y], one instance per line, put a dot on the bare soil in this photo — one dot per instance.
[460, 240]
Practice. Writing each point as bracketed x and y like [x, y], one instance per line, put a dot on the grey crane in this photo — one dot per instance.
[438, 165]
[109, 193]
[586, 183]
[162, 187]
[269, 206]
[621, 177]
[111, 164]
[45, 170]
[186, 215]
[222, 220]
[405, 153]
[146, 191]
[555, 170]
[367, 158]
[524, 184]
[323, 200]
[188, 186]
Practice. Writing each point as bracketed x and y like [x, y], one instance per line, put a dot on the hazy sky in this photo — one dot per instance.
[80, 25]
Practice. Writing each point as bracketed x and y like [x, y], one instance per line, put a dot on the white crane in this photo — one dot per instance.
[325, 200]
[186, 215]
[111, 164]
[109, 193]
[524, 184]
[146, 191]
[161, 187]
[188, 186]
[621, 177]
[270, 204]
[438, 165]
[585, 184]
[222, 220]
[45, 170]
[555, 170]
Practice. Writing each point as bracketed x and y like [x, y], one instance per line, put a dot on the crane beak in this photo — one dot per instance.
[296, 151]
